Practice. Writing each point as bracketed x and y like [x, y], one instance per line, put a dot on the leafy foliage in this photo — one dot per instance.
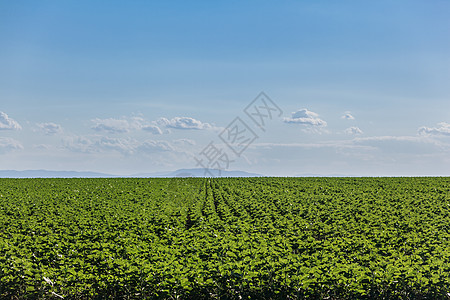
[225, 238]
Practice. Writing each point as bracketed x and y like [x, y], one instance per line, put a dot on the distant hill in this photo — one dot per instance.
[51, 174]
[74, 174]
[322, 175]
[199, 172]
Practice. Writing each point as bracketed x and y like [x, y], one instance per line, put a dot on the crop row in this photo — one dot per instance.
[194, 238]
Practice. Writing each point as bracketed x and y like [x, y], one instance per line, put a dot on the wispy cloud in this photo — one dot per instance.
[405, 138]
[306, 117]
[398, 145]
[442, 129]
[125, 146]
[81, 144]
[185, 142]
[150, 146]
[327, 144]
[43, 147]
[49, 128]
[388, 143]
[9, 144]
[98, 144]
[6, 123]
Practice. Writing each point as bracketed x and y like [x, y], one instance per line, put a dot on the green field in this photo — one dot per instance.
[225, 238]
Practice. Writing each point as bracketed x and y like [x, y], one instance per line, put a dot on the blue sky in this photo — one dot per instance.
[145, 86]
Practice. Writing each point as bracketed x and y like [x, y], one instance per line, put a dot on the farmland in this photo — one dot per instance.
[225, 238]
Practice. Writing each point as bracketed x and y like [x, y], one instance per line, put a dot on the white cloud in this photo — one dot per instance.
[306, 117]
[138, 123]
[152, 128]
[184, 123]
[348, 116]
[353, 130]
[111, 125]
[443, 129]
[6, 123]
[50, 128]
[9, 144]
[124, 125]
